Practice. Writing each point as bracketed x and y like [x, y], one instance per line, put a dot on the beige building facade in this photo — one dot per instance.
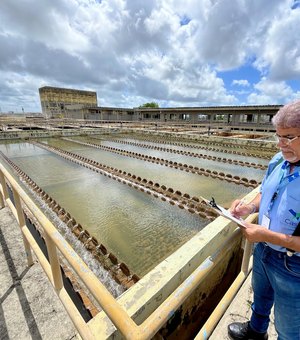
[55, 100]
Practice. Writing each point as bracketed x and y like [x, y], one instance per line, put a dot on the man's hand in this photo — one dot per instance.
[240, 208]
[255, 232]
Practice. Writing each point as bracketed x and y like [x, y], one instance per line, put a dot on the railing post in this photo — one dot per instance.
[247, 250]
[4, 187]
[2, 203]
[2, 200]
[54, 263]
[22, 224]
[246, 257]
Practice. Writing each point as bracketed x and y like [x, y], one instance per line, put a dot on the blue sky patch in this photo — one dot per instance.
[184, 20]
[296, 4]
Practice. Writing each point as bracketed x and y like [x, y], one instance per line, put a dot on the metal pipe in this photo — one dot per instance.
[75, 316]
[83, 328]
[3, 185]
[21, 221]
[246, 257]
[218, 312]
[2, 204]
[161, 315]
[54, 263]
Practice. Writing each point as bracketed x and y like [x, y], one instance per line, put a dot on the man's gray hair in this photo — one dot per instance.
[288, 116]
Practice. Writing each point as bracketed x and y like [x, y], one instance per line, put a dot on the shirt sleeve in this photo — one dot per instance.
[272, 165]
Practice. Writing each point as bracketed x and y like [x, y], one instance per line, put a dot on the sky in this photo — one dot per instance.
[177, 53]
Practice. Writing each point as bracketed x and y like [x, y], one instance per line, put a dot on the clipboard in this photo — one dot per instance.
[224, 212]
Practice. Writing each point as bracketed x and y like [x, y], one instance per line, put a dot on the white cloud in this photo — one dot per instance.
[231, 30]
[281, 51]
[132, 53]
[241, 82]
[44, 22]
[268, 92]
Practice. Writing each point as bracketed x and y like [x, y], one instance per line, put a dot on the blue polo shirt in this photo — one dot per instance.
[285, 210]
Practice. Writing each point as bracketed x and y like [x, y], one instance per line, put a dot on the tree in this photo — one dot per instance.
[152, 104]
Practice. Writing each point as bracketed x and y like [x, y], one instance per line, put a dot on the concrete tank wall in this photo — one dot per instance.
[145, 296]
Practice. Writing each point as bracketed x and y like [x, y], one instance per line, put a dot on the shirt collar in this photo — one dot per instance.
[295, 163]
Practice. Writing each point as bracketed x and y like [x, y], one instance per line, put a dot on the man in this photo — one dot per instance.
[276, 258]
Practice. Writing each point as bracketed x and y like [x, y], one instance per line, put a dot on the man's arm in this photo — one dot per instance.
[258, 233]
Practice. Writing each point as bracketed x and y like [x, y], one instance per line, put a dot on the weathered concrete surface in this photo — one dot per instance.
[240, 311]
[29, 307]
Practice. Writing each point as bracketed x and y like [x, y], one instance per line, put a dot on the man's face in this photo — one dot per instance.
[288, 144]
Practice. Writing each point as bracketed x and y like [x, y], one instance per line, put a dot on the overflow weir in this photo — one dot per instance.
[175, 296]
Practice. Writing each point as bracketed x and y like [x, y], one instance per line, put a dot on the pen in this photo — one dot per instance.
[250, 204]
[241, 202]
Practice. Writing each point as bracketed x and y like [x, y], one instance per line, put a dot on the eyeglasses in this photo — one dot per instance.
[285, 140]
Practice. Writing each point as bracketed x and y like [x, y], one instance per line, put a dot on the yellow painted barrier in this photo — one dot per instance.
[117, 314]
[218, 312]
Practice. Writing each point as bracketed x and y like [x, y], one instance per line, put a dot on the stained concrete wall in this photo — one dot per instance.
[146, 295]
[57, 133]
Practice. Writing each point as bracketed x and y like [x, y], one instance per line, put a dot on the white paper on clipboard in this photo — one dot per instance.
[225, 213]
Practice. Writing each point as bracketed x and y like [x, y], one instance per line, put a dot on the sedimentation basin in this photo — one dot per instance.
[140, 229]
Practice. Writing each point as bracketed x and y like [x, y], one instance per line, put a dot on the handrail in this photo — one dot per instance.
[117, 314]
[161, 314]
[220, 309]
[54, 242]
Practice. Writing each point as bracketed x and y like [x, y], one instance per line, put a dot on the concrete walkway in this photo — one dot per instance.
[29, 307]
[240, 310]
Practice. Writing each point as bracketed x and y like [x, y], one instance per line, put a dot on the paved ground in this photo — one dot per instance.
[239, 310]
[29, 307]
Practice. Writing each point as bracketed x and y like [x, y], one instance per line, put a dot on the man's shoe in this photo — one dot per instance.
[243, 331]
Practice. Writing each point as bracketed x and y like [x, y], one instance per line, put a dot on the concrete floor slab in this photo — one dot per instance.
[240, 311]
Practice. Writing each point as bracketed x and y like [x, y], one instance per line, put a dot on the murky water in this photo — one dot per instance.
[139, 229]
[191, 149]
[201, 145]
[194, 185]
[199, 162]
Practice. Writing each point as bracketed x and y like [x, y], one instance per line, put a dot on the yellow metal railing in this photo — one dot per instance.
[118, 315]
[220, 309]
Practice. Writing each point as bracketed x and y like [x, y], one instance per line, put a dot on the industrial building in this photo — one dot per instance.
[78, 104]
[252, 115]
[56, 101]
